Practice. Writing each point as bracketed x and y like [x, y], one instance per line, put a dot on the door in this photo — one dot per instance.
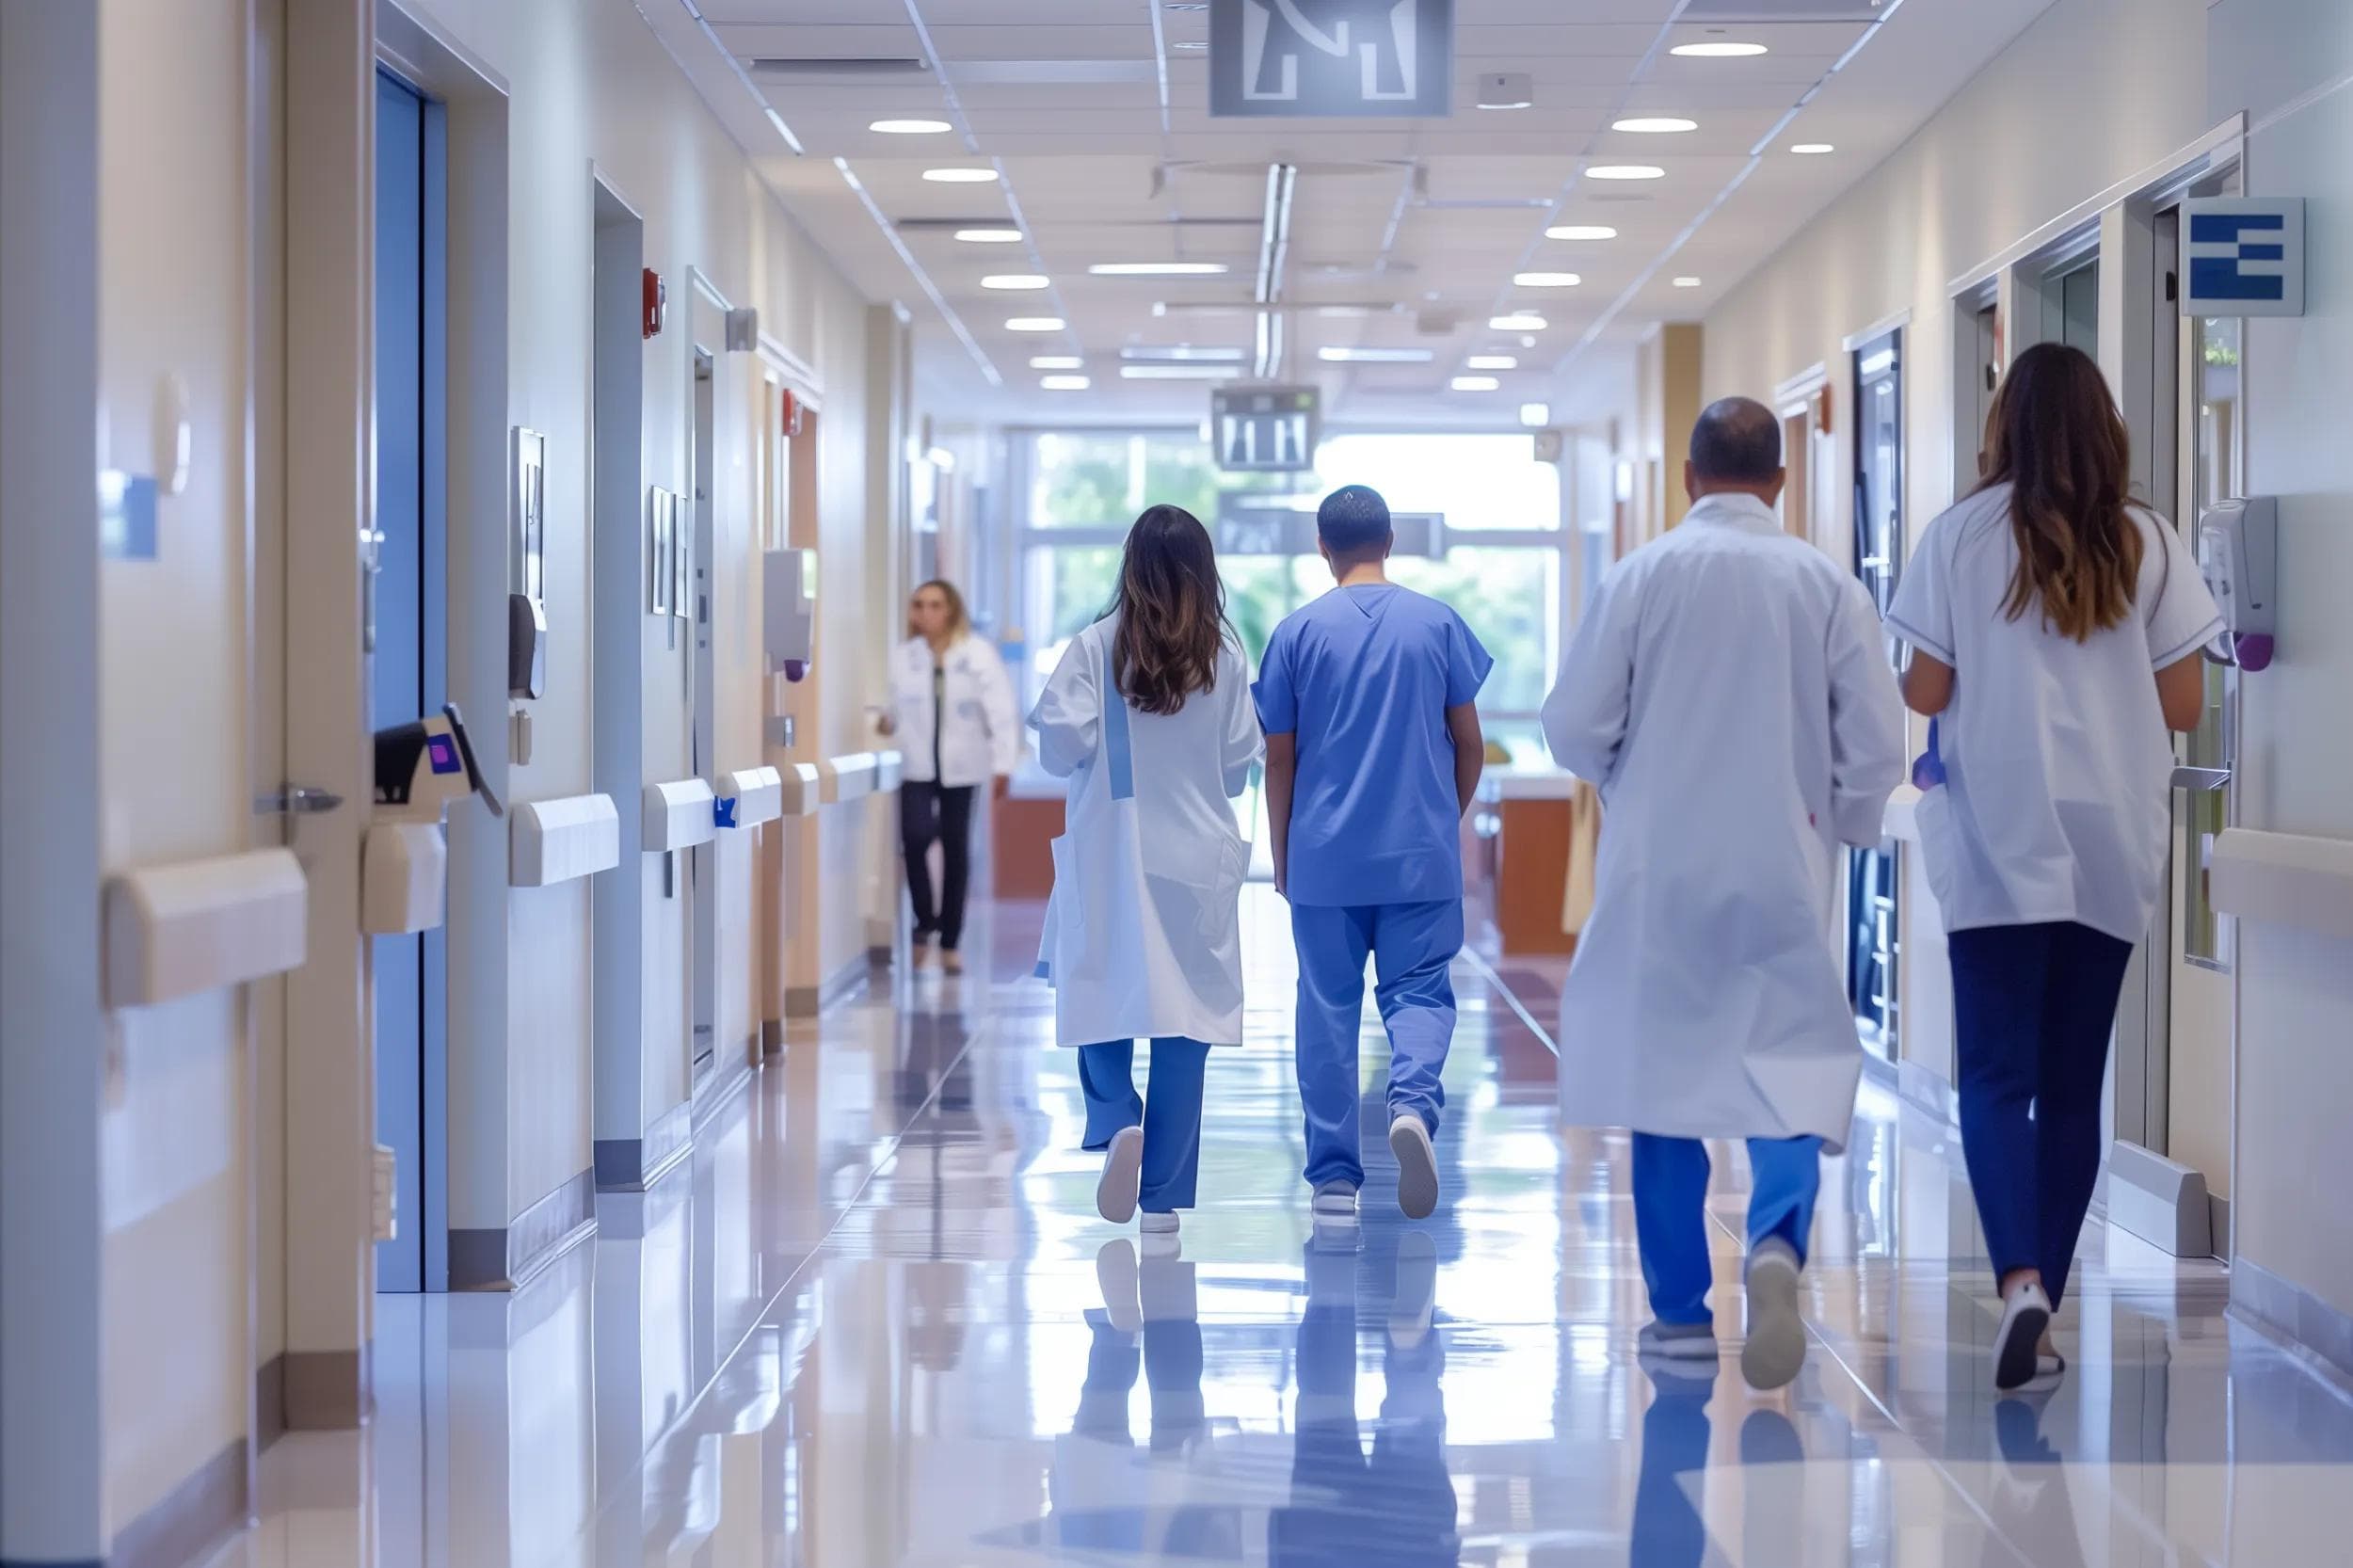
[407, 647]
[2174, 1078]
[702, 861]
[1873, 939]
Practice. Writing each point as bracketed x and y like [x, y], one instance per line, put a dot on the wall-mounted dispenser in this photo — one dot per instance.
[789, 597]
[2238, 553]
[527, 533]
[424, 765]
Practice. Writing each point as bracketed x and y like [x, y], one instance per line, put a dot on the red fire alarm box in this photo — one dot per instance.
[657, 303]
[792, 406]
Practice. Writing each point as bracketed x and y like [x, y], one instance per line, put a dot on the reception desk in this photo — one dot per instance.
[1021, 826]
[1529, 806]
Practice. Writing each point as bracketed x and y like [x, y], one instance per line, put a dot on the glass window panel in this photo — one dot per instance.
[2217, 370]
[1478, 481]
[1509, 598]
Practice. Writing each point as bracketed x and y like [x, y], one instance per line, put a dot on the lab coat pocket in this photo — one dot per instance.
[1067, 909]
[1933, 817]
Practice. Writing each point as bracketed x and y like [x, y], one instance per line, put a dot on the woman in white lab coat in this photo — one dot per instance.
[951, 708]
[2056, 631]
[1149, 716]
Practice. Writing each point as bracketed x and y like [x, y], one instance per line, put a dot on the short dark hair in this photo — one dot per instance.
[1352, 518]
[1736, 442]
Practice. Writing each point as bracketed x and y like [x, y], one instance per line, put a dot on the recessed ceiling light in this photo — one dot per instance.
[1473, 383]
[1811, 148]
[1190, 44]
[1375, 356]
[989, 236]
[1535, 415]
[1186, 6]
[1017, 281]
[1580, 232]
[1546, 279]
[1493, 361]
[1625, 172]
[1064, 383]
[1034, 324]
[1179, 373]
[1183, 351]
[1519, 321]
[1687, 283]
[1057, 361]
[1726, 51]
[1343, 313]
[912, 127]
[960, 176]
[1158, 269]
[1654, 126]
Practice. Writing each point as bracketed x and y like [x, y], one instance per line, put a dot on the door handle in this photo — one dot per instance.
[295, 800]
[2201, 780]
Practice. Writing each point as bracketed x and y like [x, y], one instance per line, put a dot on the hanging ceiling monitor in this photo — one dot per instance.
[1265, 429]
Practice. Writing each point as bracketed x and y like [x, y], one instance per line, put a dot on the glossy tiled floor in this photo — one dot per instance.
[876, 1323]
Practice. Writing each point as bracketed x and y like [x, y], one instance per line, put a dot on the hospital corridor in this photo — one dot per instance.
[1310, 783]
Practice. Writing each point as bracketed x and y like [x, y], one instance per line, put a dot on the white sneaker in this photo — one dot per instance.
[1123, 1177]
[1775, 1348]
[1158, 1225]
[2017, 1358]
[1417, 1166]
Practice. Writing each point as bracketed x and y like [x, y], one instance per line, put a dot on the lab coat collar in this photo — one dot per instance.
[1731, 509]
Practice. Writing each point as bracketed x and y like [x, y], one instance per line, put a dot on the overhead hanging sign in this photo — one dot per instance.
[2243, 256]
[1331, 58]
[1265, 429]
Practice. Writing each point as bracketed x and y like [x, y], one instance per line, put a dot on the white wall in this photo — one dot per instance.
[177, 1113]
[2295, 988]
[2093, 93]
[588, 81]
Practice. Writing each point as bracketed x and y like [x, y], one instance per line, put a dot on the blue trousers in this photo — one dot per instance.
[2033, 1006]
[1670, 1212]
[1410, 946]
[1171, 1121]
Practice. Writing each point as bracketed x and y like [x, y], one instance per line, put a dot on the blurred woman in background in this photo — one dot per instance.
[952, 708]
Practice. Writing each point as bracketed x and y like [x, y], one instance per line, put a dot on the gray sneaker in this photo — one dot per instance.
[1775, 1349]
[1679, 1342]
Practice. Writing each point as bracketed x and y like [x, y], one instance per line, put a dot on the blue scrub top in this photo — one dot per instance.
[1363, 676]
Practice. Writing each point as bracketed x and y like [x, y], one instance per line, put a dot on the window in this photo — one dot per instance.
[1502, 566]
[1872, 883]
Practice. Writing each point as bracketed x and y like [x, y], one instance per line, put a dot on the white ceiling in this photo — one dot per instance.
[1406, 232]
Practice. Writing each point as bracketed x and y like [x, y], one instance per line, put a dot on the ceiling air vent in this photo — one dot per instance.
[851, 67]
[1710, 11]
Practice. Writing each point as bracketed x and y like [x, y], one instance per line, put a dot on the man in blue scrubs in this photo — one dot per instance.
[1373, 750]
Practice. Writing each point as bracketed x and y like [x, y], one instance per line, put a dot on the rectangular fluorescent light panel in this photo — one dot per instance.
[1375, 356]
[1185, 352]
[1179, 373]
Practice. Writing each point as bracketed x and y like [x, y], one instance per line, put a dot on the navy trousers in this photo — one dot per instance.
[2033, 1006]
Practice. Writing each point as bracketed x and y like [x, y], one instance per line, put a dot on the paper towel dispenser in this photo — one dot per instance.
[790, 599]
[424, 765]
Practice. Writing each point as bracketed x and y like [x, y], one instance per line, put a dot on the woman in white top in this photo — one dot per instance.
[2056, 631]
[1149, 717]
[951, 708]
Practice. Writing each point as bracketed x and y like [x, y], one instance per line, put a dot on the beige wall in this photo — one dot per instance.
[2093, 93]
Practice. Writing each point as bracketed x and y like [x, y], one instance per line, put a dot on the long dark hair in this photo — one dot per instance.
[1171, 611]
[2053, 436]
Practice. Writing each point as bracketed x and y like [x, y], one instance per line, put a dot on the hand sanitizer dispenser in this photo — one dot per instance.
[2238, 554]
[790, 599]
[421, 767]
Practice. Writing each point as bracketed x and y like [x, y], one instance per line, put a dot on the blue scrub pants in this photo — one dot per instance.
[2033, 1006]
[1410, 946]
[1670, 1212]
[1171, 1121]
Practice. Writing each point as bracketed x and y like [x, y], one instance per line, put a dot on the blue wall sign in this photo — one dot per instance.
[2243, 256]
[1331, 58]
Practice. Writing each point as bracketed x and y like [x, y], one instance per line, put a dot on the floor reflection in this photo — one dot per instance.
[873, 1322]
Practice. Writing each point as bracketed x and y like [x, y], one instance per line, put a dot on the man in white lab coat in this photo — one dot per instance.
[1730, 694]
